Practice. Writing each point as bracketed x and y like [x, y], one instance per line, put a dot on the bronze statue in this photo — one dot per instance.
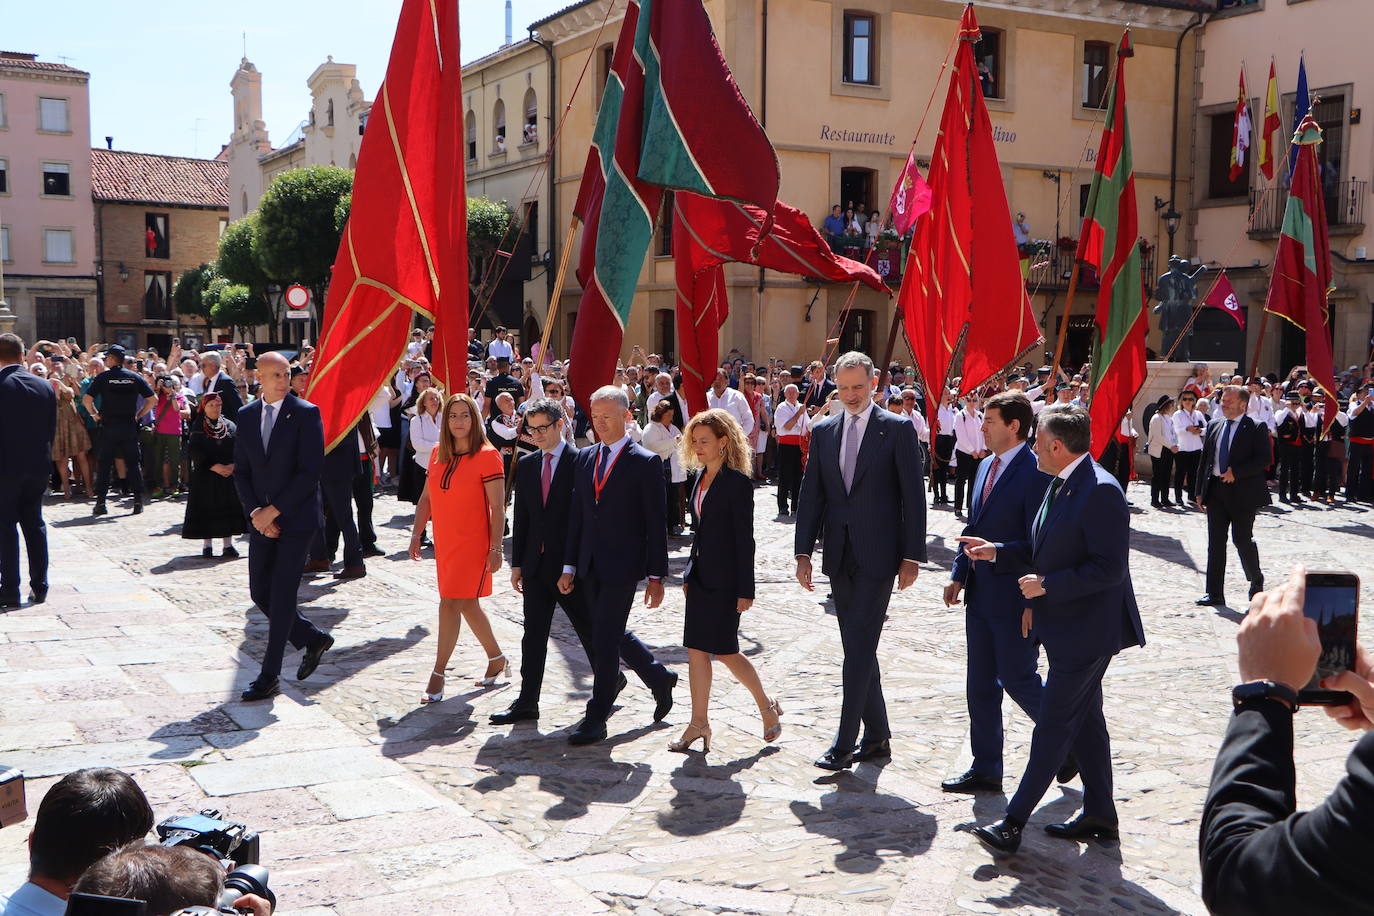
[1176, 292]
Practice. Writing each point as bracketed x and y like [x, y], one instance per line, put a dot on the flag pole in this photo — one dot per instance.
[1064, 323]
[1259, 342]
[557, 293]
[891, 345]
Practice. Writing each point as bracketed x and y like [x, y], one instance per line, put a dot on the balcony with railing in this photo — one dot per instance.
[1051, 270]
[1344, 209]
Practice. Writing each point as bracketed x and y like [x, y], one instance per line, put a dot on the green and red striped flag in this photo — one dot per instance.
[1110, 243]
[1301, 282]
[671, 117]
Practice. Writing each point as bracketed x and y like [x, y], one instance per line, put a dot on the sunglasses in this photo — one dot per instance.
[538, 429]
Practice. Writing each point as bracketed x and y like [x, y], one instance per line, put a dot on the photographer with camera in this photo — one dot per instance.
[1259, 854]
[169, 415]
[86, 815]
[170, 881]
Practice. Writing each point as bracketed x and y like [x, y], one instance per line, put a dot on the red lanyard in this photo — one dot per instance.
[599, 479]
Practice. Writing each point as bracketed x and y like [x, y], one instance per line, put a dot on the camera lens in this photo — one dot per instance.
[246, 879]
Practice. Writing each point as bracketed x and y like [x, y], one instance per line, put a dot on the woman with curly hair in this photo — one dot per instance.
[719, 582]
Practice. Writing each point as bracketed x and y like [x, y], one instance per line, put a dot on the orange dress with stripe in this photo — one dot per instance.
[459, 511]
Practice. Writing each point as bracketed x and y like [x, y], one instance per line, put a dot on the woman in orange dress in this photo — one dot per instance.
[464, 497]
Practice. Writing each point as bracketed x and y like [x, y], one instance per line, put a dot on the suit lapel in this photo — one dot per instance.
[1061, 499]
[874, 434]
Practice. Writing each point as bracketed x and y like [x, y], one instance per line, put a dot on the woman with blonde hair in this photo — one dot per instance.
[719, 582]
[464, 495]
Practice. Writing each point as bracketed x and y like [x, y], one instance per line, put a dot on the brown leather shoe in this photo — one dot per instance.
[351, 572]
[314, 566]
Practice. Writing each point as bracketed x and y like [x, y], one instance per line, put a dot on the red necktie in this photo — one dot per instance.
[992, 478]
[546, 478]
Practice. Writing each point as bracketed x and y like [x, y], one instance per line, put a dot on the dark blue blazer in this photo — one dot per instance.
[623, 537]
[29, 408]
[286, 475]
[883, 516]
[539, 533]
[992, 589]
[1083, 551]
[722, 555]
[1248, 457]
[342, 463]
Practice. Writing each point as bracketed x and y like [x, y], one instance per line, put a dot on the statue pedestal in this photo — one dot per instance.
[1163, 378]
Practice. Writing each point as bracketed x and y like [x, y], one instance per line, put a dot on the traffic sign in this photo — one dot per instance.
[298, 316]
[297, 296]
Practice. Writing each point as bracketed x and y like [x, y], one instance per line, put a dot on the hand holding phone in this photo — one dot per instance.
[1332, 602]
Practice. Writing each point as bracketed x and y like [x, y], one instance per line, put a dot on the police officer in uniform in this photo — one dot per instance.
[119, 391]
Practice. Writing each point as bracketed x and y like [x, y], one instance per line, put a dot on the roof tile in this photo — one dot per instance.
[117, 175]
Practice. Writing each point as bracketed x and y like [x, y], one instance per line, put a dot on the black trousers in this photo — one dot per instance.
[338, 520]
[944, 453]
[21, 509]
[1162, 473]
[1326, 475]
[861, 600]
[609, 604]
[540, 597]
[1000, 660]
[964, 473]
[1223, 515]
[672, 498]
[362, 498]
[789, 476]
[1185, 474]
[1306, 466]
[118, 440]
[1357, 473]
[1290, 469]
[274, 574]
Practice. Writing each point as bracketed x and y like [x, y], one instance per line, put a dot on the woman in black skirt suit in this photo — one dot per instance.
[719, 582]
[213, 509]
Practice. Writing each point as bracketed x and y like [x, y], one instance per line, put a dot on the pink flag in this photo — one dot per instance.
[1223, 296]
[910, 198]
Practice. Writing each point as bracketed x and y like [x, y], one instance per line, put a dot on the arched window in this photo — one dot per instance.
[329, 113]
[471, 122]
[530, 132]
[498, 120]
[245, 201]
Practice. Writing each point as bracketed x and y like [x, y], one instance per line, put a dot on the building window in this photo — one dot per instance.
[57, 179]
[223, 225]
[1219, 183]
[1084, 190]
[156, 242]
[59, 319]
[329, 113]
[990, 70]
[156, 301]
[472, 137]
[857, 331]
[860, 48]
[5, 244]
[532, 226]
[665, 225]
[498, 120]
[530, 132]
[58, 247]
[52, 116]
[1097, 57]
[665, 334]
[4, 176]
[603, 71]
[4, 116]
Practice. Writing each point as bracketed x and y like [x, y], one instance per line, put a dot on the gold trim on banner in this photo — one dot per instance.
[410, 191]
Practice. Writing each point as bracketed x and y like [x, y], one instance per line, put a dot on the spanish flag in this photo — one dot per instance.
[1269, 127]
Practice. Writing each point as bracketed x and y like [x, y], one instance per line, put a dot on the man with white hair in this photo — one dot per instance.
[663, 388]
[212, 378]
[791, 422]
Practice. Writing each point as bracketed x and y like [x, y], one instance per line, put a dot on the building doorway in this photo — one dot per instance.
[665, 334]
[1293, 346]
[857, 332]
[60, 318]
[1078, 342]
[162, 343]
[857, 190]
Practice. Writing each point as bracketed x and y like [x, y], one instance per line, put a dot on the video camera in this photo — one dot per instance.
[224, 840]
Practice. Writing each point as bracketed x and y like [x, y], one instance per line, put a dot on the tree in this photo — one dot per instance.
[297, 237]
[235, 306]
[237, 263]
[490, 224]
[188, 295]
[341, 212]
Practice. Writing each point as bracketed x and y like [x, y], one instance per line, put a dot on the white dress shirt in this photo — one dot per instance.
[424, 438]
[968, 432]
[736, 403]
[31, 900]
[1222, 434]
[945, 418]
[663, 442]
[1163, 435]
[1189, 441]
[784, 414]
[199, 384]
[918, 420]
[498, 348]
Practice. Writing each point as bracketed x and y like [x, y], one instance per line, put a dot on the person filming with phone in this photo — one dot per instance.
[1259, 853]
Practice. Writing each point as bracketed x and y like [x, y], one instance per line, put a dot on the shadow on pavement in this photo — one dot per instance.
[867, 823]
[708, 798]
[1162, 547]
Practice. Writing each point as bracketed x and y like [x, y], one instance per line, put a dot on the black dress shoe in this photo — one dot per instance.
[372, 550]
[588, 732]
[1255, 588]
[351, 572]
[258, 691]
[663, 698]
[311, 660]
[99, 508]
[835, 760]
[1084, 827]
[207, 552]
[1067, 770]
[516, 713]
[1000, 836]
[7, 603]
[230, 553]
[138, 507]
[38, 595]
[973, 781]
[620, 684]
[1213, 600]
[873, 750]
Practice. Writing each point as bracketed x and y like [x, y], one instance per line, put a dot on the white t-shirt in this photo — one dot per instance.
[380, 408]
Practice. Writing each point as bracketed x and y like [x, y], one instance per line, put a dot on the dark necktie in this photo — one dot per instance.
[547, 477]
[1049, 502]
[1224, 448]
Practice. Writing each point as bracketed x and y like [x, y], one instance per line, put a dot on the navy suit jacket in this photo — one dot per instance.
[342, 463]
[722, 555]
[29, 407]
[1082, 550]
[622, 537]
[539, 533]
[1248, 457]
[992, 589]
[883, 516]
[287, 473]
[228, 395]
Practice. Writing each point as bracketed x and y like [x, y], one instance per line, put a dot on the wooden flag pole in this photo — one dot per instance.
[1259, 342]
[557, 292]
[1064, 325]
[883, 378]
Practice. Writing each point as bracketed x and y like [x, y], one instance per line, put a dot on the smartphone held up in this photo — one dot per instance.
[1332, 601]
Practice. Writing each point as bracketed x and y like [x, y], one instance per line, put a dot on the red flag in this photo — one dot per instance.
[1301, 282]
[945, 302]
[1269, 127]
[910, 197]
[1223, 296]
[404, 248]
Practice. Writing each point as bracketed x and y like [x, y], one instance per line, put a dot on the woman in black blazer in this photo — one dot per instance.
[719, 582]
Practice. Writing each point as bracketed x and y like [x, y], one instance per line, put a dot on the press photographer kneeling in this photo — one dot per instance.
[1259, 854]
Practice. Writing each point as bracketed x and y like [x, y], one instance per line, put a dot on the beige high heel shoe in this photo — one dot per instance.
[690, 736]
[428, 698]
[771, 734]
[490, 679]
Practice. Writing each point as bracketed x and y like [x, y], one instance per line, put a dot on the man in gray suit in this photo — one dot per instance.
[863, 486]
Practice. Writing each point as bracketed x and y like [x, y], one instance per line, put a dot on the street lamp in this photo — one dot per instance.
[1170, 217]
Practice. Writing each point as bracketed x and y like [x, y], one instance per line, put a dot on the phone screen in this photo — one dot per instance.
[96, 905]
[1333, 602]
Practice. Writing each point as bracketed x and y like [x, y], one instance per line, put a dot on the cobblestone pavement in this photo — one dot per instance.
[137, 658]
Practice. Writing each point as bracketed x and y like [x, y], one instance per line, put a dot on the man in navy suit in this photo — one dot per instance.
[29, 407]
[1231, 486]
[278, 455]
[1007, 492]
[1079, 547]
[617, 535]
[863, 484]
[342, 464]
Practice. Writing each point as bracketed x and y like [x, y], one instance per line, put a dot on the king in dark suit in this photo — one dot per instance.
[278, 456]
[1078, 547]
[1231, 487]
[617, 535]
[29, 408]
[863, 484]
[1007, 492]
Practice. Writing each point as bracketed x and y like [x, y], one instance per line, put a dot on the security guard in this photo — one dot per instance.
[119, 391]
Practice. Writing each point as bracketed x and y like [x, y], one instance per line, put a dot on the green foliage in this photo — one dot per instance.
[341, 212]
[297, 237]
[236, 306]
[188, 294]
[236, 260]
[490, 223]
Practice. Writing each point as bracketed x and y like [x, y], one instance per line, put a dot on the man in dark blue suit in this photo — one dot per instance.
[863, 484]
[1079, 547]
[1007, 491]
[278, 455]
[1231, 486]
[29, 408]
[617, 535]
[342, 465]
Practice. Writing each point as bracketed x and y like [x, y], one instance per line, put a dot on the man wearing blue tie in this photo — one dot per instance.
[1232, 488]
[278, 456]
[1007, 493]
[1079, 548]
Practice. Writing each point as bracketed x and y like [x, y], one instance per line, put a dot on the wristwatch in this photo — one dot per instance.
[1264, 690]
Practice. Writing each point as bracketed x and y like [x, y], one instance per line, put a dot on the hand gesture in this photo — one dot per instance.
[653, 593]
[1276, 641]
[977, 548]
[565, 584]
[804, 573]
[1032, 586]
[743, 604]
[1359, 713]
[952, 591]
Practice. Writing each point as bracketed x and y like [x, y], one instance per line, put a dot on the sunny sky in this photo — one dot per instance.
[160, 79]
